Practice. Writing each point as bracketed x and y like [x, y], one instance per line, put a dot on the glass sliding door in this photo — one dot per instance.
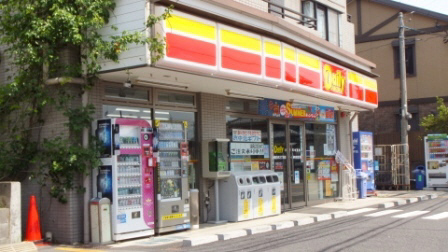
[279, 159]
[296, 166]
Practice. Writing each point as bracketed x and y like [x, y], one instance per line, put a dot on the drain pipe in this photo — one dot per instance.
[355, 115]
[87, 179]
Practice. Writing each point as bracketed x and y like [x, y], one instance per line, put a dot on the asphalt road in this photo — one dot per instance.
[421, 226]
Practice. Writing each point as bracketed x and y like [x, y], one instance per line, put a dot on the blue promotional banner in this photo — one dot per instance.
[286, 109]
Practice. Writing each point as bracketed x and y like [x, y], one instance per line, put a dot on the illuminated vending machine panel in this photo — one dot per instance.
[436, 156]
[126, 175]
[173, 206]
[363, 157]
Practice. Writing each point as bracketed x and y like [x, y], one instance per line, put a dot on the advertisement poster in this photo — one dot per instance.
[286, 109]
[251, 149]
[280, 179]
[240, 135]
[105, 137]
[104, 182]
[323, 170]
[330, 146]
[328, 190]
[296, 177]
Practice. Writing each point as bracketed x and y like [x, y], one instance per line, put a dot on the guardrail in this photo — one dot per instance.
[285, 12]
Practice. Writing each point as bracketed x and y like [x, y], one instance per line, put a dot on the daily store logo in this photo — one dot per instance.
[335, 79]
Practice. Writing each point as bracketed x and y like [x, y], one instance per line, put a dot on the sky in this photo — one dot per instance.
[440, 6]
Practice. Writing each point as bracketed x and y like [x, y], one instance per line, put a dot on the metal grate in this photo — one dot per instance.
[348, 180]
[393, 163]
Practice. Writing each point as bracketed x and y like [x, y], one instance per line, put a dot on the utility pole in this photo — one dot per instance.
[404, 99]
[403, 88]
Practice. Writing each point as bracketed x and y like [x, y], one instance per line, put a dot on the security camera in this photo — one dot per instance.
[127, 84]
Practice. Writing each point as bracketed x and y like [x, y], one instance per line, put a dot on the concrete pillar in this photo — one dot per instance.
[10, 213]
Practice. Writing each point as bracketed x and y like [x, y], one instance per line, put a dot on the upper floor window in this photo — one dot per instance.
[409, 52]
[327, 20]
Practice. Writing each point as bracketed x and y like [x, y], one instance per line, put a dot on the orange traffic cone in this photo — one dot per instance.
[33, 232]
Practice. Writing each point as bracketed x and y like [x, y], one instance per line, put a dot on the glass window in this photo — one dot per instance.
[176, 98]
[118, 111]
[189, 117]
[308, 10]
[321, 22]
[410, 60]
[322, 170]
[126, 93]
[333, 27]
[241, 105]
[249, 162]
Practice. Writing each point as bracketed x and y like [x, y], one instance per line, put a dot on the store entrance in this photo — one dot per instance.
[288, 161]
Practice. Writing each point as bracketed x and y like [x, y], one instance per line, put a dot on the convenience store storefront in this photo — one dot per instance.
[230, 83]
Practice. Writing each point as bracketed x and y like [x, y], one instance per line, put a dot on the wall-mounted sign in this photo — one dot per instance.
[250, 149]
[241, 135]
[197, 44]
[284, 109]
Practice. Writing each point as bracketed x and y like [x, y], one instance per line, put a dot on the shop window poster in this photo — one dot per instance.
[330, 145]
[241, 135]
[323, 170]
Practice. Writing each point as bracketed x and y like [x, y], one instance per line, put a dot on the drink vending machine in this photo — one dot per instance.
[436, 159]
[126, 176]
[173, 206]
[363, 157]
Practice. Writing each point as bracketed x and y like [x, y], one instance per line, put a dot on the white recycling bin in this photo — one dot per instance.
[260, 190]
[273, 195]
[236, 190]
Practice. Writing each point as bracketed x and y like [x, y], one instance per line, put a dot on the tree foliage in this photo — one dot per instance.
[35, 34]
[437, 123]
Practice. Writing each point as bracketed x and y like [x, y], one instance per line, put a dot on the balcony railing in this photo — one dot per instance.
[285, 12]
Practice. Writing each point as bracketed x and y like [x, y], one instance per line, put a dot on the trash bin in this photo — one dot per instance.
[420, 178]
[361, 184]
[100, 220]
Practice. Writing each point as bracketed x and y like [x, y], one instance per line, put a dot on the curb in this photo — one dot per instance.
[298, 222]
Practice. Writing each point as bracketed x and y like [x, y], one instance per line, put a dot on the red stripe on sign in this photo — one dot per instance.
[273, 68]
[240, 61]
[309, 78]
[356, 92]
[180, 47]
[290, 72]
[371, 97]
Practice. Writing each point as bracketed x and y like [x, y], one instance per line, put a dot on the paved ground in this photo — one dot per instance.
[356, 232]
[419, 227]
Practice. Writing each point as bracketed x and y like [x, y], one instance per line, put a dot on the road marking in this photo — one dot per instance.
[362, 210]
[79, 249]
[410, 214]
[437, 216]
[382, 213]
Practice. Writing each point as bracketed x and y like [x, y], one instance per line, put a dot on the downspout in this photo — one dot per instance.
[351, 137]
[152, 32]
[87, 179]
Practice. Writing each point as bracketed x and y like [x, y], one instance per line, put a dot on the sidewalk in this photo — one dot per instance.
[210, 232]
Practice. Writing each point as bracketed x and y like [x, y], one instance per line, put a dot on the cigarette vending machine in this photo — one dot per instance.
[173, 206]
[436, 159]
[363, 157]
[126, 176]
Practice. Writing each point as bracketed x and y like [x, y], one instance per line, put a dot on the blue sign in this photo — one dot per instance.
[285, 109]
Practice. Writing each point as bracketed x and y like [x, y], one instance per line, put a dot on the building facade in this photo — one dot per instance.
[376, 29]
[286, 70]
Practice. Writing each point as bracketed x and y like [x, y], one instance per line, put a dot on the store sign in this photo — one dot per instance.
[240, 135]
[335, 79]
[246, 149]
[284, 109]
[197, 44]
[437, 137]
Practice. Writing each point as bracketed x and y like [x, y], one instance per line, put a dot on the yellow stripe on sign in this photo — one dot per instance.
[240, 40]
[309, 61]
[352, 76]
[272, 49]
[289, 54]
[190, 26]
[370, 83]
[78, 249]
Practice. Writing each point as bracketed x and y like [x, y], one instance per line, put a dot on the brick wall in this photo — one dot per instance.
[212, 124]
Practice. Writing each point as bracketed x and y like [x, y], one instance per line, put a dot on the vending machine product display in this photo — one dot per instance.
[173, 207]
[363, 157]
[126, 175]
[436, 159]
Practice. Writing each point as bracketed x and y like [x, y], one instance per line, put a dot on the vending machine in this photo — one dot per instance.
[173, 206]
[436, 159]
[126, 175]
[363, 157]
